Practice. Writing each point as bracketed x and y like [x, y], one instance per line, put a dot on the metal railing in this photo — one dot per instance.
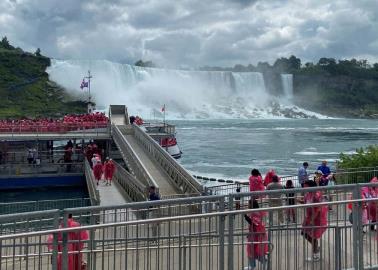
[94, 194]
[204, 241]
[48, 156]
[134, 164]
[129, 184]
[179, 177]
[31, 206]
[24, 169]
[54, 128]
[353, 176]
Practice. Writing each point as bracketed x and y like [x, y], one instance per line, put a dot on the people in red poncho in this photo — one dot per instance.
[315, 219]
[97, 170]
[257, 247]
[109, 169]
[372, 206]
[74, 244]
[255, 181]
[268, 177]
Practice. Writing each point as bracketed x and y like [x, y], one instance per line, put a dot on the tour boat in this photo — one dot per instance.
[164, 134]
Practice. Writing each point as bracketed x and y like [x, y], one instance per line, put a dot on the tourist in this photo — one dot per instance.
[315, 219]
[94, 160]
[372, 206]
[290, 200]
[257, 246]
[255, 181]
[275, 198]
[68, 158]
[30, 156]
[154, 211]
[74, 245]
[109, 169]
[320, 179]
[97, 170]
[268, 177]
[324, 169]
[364, 214]
[302, 174]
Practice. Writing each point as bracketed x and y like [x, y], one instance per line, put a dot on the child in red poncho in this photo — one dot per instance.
[257, 247]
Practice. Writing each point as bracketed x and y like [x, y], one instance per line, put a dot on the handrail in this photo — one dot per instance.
[130, 157]
[92, 190]
[180, 177]
[186, 217]
[14, 170]
[134, 189]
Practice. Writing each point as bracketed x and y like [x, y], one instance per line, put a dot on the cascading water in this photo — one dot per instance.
[287, 85]
[187, 94]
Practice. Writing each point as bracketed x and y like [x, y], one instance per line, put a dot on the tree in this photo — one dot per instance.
[375, 66]
[327, 61]
[38, 52]
[140, 63]
[5, 44]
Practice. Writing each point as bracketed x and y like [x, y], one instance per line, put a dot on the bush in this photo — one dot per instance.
[363, 158]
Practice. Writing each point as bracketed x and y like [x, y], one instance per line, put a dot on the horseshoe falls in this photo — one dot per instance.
[186, 94]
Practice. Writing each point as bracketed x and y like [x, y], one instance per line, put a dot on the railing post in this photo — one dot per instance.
[337, 248]
[231, 219]
[64, 261]
[221, 234]
[357, 229]
[54, 258]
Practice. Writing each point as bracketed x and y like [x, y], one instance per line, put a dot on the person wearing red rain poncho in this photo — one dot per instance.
[372, 206]
[269, 177]
[109, 169]
[74, 244]
[255, 181]
[97, 170]
[257, 247]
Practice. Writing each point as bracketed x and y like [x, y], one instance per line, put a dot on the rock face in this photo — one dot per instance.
[337, 95]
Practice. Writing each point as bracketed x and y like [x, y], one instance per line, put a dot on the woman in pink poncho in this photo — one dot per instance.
[257, 247]
[109, 169]
[372, 206]
[255, 181]
[75, 261]
[269, 177]
[315, 220]
[97, 170]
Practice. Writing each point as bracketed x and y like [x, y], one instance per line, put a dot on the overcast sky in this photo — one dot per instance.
[193, 32]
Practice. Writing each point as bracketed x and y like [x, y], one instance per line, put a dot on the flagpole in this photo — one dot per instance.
[164, 115]
[89, 92]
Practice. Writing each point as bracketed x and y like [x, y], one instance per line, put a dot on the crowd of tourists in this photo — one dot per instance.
[315, 220]
[67, 123]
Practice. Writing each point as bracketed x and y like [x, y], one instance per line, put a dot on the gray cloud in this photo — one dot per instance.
[193, 32]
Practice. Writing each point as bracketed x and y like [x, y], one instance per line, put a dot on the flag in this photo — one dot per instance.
[163, 108]
[83, 84]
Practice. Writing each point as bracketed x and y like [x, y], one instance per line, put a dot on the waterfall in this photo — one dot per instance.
[287, 85]
[187, 94]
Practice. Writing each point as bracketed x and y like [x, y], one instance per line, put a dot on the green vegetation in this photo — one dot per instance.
[363, 158]
[357, 168]
[346, 88]
[140, 63]
[25, 88]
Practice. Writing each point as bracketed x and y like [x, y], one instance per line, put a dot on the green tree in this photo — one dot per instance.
[363, 158]
[5, 44]
[38, 52]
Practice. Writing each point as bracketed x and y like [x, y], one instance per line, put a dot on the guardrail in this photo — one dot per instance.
[55, 128]
[94, 194]
[24, 169]
[354, 176]
[130, 157]
[31, 206]
[208, 241]
[178, 175]
[129, 184]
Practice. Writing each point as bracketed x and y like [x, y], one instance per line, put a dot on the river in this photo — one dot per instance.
[229, 149]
